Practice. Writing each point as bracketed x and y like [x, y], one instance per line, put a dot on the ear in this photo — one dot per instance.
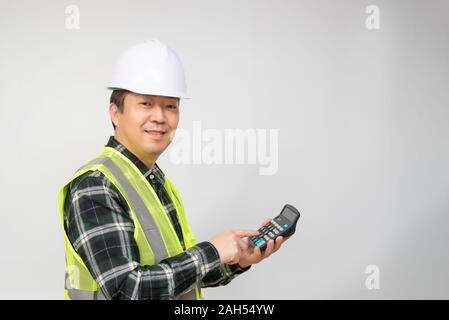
[113, 112]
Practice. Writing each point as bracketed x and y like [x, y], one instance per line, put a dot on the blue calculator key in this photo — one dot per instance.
[285, 225]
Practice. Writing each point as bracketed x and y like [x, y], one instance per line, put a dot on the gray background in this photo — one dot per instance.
[363, 135]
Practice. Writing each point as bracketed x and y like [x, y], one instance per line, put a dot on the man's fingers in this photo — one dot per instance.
[244, 244]
[278, 243]
[269, 249]
[246, 233]
[267, 220]
[258, 253]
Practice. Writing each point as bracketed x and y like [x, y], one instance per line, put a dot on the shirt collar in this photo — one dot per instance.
[156, 172]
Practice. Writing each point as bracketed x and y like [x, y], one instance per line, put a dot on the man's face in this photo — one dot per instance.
[147, 124]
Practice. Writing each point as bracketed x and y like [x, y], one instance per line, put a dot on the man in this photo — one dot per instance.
[125, 231]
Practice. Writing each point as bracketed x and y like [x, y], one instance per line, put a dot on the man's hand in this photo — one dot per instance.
[254, 255]
[230, 245]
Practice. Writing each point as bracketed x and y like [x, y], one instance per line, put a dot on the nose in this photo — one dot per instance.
[157, 114]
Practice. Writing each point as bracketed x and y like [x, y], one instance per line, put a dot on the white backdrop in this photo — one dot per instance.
[361, 113]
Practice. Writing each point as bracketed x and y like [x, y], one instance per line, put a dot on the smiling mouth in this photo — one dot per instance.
[156, 133]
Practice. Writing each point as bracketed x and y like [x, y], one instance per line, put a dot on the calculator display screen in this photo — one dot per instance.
[289, 214]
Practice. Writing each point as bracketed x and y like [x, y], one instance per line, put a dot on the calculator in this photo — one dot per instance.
[282, 225]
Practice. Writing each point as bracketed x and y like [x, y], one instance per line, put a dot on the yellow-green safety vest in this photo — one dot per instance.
[154, 233]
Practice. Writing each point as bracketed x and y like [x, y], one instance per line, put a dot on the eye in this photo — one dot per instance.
[170, 106]
[146, 104]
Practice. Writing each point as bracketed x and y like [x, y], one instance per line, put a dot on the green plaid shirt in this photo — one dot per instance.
[100, 227]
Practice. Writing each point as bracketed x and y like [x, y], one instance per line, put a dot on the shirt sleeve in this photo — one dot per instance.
[223, 275]
[101, 230]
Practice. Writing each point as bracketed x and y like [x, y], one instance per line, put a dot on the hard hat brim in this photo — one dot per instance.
[152, 93]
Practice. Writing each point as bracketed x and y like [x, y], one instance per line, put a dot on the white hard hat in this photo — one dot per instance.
[150, 67]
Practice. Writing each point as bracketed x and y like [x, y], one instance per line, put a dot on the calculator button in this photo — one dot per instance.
[266, 237]
[285, 225]
[276, 232]
[271, 234]
[280, 228]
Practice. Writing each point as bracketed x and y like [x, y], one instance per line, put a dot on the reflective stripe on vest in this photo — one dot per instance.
[144, 219]
[77, 294]
[143, 215]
